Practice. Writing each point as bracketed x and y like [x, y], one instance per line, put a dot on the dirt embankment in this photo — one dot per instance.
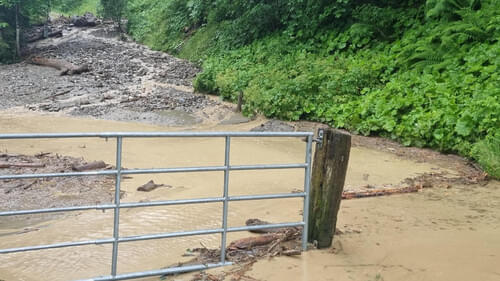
[126, 81]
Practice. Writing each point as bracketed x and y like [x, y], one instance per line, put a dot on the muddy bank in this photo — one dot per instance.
[126, 82]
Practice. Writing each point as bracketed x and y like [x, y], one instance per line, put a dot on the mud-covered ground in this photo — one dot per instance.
[39, 193]
[126, 82]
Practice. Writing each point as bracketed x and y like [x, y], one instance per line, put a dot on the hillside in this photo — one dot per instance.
[424, 73]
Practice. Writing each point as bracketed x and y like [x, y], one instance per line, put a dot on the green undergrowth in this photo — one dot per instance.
[77, 7]
[424, 73]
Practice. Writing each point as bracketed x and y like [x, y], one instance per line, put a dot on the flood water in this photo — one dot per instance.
[392, 238]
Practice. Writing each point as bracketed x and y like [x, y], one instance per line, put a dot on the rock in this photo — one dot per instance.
[274, 126]
[150, 186]
[88, 19]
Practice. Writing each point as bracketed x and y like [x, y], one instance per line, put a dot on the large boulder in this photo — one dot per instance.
[88, 19]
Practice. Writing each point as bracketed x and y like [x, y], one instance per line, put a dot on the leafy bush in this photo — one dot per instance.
[487, 151]
[423, 72]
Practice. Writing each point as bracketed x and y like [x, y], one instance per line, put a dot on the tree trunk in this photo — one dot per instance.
[18, 43]
[65, 67]
[40, 36]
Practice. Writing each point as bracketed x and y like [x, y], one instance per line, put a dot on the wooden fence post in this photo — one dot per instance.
[240, 102]
[327, 183]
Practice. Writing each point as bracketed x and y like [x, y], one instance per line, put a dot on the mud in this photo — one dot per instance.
[27, 194]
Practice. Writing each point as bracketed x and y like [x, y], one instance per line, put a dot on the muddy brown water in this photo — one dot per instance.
[437, 234]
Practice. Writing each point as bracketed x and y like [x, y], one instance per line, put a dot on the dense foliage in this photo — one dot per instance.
[76, 7]
[113, 9]
[425, 73]
[25, 11]
[37, 11]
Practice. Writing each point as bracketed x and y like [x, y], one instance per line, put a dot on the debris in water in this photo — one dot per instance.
[150, 186]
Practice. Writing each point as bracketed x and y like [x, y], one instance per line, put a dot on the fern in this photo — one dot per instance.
[426, 58]
[450, 9]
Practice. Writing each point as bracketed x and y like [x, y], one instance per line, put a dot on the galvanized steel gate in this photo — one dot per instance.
[118, 172]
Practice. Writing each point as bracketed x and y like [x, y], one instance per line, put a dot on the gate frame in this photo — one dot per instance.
[119, 171]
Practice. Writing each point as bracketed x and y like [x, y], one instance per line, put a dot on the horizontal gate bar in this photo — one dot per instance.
[57, 210]
[153, 204]
[149, 237]
[265, 226]
[55, 175]
[170, 235]
[155, 134]
[57, 245]
[267, 167]
[165, 271]
[157, 171]
[267, 196]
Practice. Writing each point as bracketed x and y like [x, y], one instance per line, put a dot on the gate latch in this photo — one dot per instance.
[319, 139]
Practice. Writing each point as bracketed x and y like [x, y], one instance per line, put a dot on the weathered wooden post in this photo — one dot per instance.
[240, 102]
[327, 183]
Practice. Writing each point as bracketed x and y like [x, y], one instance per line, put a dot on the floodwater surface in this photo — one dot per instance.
[438, 234]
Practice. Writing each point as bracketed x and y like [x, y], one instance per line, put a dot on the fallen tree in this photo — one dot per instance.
[39, 35]
[66, 67]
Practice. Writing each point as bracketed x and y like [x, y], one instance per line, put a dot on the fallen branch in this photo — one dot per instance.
[24, 186]
[66, 68]
[379, 192]
[39, 36]
[89, 166]
[250, 242]
[293, 252]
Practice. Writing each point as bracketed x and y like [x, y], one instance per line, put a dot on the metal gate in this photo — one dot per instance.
[119, 171]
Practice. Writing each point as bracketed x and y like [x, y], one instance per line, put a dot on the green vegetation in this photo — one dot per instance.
[113, 9]
[16, 15]
[76, 7]
[425, 73]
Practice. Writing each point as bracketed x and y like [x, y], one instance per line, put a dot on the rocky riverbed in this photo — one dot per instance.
[126, 82]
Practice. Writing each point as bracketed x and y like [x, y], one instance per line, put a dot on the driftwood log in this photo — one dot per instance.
[89, 166]
[379, 192]
[39, 35]
[250, 242]
[66, 67]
